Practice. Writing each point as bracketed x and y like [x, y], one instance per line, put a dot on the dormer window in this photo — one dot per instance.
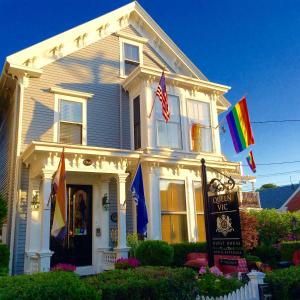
[131, 57]
[131, 54]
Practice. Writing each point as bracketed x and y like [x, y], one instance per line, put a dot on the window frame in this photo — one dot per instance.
[170, 121]
[195, 207]
[124, 41]
[182, 213]
[57, 120]
[187, 100]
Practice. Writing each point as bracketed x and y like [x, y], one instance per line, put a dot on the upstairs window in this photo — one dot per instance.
[137, 123]
[169, 134]
[200, 126]
[131, 57]
[71, 122]
[199, 205]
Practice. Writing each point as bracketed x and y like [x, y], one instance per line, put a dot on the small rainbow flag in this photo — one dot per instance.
[239, 125]
[59, 228]
[251, 162]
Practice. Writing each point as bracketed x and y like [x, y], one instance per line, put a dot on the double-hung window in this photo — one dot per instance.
[173, 211]
[131, 57]
[169, 134]
[200, 126]
[70, 122]
[199, 205]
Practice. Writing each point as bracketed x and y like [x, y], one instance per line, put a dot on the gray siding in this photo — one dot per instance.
[20, 230]
[93, 69]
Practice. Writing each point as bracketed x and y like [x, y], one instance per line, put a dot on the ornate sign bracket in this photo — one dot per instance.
[216, 185]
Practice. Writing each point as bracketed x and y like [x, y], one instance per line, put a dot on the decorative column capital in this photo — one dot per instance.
[121, 178]
[47, 174]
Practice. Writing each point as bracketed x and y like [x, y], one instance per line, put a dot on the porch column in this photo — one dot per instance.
[45, 210]
[154, 224]
[122, 250]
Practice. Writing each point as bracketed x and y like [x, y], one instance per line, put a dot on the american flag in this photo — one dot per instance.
[161, 93]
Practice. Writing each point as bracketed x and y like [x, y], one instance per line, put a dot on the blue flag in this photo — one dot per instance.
[137, 189]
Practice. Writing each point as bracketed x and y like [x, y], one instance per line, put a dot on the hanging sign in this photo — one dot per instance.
[224, 224]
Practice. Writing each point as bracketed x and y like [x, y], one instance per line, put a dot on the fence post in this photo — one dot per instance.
[256, 278]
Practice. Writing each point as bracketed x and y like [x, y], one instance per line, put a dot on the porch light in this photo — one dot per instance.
[35, 202]
[105, 202]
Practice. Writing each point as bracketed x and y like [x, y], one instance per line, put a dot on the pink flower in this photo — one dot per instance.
[215, 270]
[125, 263]
[64, 267]
[202, 270]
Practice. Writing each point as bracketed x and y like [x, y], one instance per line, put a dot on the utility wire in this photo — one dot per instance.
[281, 173]
[275, 163]
[275, 121]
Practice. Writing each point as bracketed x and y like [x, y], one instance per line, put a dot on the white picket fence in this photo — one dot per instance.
[247, 292]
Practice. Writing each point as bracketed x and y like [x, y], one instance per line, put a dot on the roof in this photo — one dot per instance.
[293, 202]
[276, 197]
[37, 56]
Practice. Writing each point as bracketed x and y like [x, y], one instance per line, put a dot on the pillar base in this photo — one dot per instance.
[44, 260]
[122, 252]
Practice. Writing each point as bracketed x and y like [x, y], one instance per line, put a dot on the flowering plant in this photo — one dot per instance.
[214, 270]
[64, 267]
[126, 263]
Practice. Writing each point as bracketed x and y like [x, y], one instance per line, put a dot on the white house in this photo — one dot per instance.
[90, 90]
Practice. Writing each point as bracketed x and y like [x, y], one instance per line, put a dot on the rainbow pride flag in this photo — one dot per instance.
[59, 228]
[239, 126]
[251, 162]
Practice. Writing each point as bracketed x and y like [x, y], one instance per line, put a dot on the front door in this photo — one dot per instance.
[76, 248]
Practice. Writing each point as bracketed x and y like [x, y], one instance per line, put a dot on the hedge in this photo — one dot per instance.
[287, 249]
[154, 253]
[151, 283]
[182, 249]
[53, 285]
[4, 259]
[285, 283]
[268, 254]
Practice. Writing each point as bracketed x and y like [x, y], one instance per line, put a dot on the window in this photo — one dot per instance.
[137, 123]
[173, 211]
[131, 57]
[169, 134]
[200, 126]
[199, 211]
[70, 122]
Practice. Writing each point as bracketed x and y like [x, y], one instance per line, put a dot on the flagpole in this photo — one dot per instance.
[164, 68]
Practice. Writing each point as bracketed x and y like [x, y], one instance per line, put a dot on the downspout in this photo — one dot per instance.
[18, 162]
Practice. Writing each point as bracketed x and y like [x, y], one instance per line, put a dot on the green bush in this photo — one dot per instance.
[285, 283]
[267, 254]
[182, 249]
[211, 285]
[151, 283]
[252, 258]
[53, 285]
[3, 209]
[4, 259]
[154, 253]
[287, 249]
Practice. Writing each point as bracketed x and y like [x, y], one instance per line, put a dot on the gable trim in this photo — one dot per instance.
[284, 205]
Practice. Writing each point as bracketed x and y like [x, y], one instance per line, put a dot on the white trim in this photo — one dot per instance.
[133, 38]
[72, 93]
[57, 99]
[123, 41]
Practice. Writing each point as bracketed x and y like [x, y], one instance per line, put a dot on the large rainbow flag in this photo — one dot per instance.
[251, 162]
[239, 125]
[59, 228]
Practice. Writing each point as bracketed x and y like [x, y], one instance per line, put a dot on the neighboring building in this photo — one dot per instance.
[293, 202]
[90, 90]
[281, 197]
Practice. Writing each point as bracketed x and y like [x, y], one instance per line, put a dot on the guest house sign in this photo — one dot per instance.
[224, 224]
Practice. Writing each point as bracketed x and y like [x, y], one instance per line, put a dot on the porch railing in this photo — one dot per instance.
[108, 260]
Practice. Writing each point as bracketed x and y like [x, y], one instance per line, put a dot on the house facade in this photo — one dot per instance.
[90, 90]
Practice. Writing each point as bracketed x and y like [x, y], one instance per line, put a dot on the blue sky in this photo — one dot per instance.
[252, 46]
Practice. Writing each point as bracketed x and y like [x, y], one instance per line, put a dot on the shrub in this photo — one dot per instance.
[133, 242]
[52, 285]
[4, 259]
[249, 230]
[126, 263]
[3, 209]
[287, 249]
[252, 258]
[154, 253]
[182, 249]
[214, 285]
[285, 283]
[268, 254]
[64, 267]
[151, 283]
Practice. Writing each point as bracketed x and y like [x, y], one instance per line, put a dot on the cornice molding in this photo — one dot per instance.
[72, 93]
[131, 37]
